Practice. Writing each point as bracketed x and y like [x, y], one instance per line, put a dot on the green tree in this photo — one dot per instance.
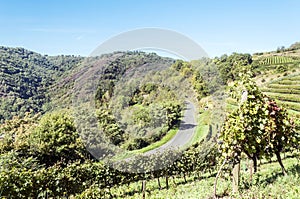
[15, 133]
[178, 65]
[173, 113]
[55, 139]
[109, 126]
[200, 86]
[231, 66]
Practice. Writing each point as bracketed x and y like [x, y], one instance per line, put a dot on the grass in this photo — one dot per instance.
[281, 90]
[289, 82]
[202, 128]
[281, 86]
[284, 97]
[294, 113]
[230, 107]
[170, 134]
[268, 182]
[296, 78]
[293, 106]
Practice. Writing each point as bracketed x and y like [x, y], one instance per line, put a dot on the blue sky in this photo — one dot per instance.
[78, 27]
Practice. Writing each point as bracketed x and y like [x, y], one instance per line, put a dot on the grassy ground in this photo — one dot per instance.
[159, 143]
[202, 128]
[170, 134]
[268, 182]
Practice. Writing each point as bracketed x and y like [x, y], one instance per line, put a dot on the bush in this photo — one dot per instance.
[281, 68]
[55, 139]
[54, 181]
[136, 143]
[94, 192]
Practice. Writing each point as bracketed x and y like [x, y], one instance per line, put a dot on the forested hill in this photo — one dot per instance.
[25, 77]
[31, 81]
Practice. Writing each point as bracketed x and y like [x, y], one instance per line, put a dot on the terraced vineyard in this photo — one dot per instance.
[275, 60]
[286, 91]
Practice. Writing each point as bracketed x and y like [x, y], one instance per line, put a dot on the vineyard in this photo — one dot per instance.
[43, 156]
[266, 183]
[150, 100]
[275, 60]
[286, 91]
[84, 179]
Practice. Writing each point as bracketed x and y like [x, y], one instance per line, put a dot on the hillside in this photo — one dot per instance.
[278, 75]
[33, 82]
[137, 108]
[25, 77]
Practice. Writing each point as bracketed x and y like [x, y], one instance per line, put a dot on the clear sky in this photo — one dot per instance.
[78, 27]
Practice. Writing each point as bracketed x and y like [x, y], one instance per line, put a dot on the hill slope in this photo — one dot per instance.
[33, 82]
[46, 158]
[25, 77]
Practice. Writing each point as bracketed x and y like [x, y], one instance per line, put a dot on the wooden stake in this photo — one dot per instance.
[235, 178]
[144, 189]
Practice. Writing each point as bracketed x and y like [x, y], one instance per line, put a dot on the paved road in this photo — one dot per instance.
[185, 132]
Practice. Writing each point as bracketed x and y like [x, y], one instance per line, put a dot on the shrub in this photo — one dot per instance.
[281, 68]
[55, 138]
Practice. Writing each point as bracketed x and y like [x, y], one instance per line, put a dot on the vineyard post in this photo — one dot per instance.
[235, 178]
[167, 182]
[158, 181]
[236, 167]
[144, 188]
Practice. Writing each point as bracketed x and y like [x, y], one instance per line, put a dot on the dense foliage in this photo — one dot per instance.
[31, 81]
[294, 46]
[137, 105]
[43, 156]
[258, 128]
[25, 79]
[203, 75]
[50, 161]
[230, 66]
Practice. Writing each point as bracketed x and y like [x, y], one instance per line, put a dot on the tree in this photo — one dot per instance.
[109, 126]
[295, 46]
[199, 85]
[280, 49]
[173, 113]
[55, 139]
[177, 65]
[231, 66]
[15, 133]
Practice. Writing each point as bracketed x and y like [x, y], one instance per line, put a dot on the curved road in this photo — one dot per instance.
[185, 132]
